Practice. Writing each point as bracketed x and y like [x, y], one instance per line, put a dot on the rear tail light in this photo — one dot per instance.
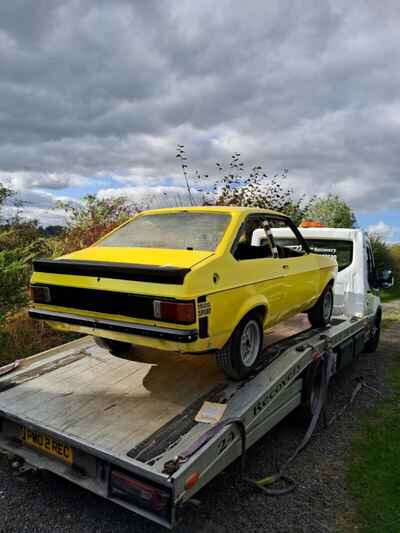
[181, 312]
[40, 294]
[140, 493]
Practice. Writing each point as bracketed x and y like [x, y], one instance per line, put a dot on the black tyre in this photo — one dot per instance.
[372, 344]
[240, 354]
[312, 395]
[320, 315]
[116, 348]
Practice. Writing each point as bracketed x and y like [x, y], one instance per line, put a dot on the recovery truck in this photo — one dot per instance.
[148, 437]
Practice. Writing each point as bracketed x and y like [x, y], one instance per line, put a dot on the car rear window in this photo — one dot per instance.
[342, 249]
[183, 230]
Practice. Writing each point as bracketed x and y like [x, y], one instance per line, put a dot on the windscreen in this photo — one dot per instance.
[184, 230]
[343, 250]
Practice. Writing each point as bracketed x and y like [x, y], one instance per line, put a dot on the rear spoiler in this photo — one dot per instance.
[97, 269]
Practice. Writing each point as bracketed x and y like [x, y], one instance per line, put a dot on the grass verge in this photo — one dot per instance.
[20, 336]
[374, 472]
[387, 295]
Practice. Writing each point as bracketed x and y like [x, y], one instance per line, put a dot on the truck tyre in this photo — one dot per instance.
[320, 315]
[312, 394]
[240, 354]
[372, 344]
[116, 348]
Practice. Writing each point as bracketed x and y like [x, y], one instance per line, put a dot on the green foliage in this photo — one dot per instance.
[382, 253]
[15, 271]
[18, 233]
[332, 212]
[20, 336]
[395, 255]
[5, 193]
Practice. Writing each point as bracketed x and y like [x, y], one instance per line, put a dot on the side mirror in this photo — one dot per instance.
[385, 279]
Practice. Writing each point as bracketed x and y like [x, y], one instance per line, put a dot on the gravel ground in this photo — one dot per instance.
[41, 502]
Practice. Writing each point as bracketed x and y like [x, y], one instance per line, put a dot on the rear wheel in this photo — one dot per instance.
[313, 395]
[320, 315]
[116, 348]
[240, 354]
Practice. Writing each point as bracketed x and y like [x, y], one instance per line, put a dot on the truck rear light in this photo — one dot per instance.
[40, 294]
[140, 493]
[181, 312]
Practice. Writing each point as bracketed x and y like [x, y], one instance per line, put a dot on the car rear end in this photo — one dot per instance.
[125, 288]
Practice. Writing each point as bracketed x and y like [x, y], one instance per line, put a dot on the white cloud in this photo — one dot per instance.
[382, 229]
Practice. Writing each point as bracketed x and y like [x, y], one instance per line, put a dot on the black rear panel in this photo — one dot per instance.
[108, 302]
[149, 273]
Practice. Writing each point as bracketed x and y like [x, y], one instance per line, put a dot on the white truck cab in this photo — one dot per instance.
[356, 289]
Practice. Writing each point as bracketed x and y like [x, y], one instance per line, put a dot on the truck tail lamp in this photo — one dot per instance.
[140, 493]
[40, 294]
[180, 312]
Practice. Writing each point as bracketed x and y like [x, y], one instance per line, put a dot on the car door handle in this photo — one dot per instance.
[285, 266]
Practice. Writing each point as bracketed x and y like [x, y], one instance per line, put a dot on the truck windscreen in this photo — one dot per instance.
[342, 249]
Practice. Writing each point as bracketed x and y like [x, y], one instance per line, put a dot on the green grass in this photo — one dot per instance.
[374, 473]
[387, 295]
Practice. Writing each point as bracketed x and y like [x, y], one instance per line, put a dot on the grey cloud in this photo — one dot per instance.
[91, 88]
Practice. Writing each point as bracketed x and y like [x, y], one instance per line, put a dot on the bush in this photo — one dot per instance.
[20, 336]
[382, 253]
[332, 212]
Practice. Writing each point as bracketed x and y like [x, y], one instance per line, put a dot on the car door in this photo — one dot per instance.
[258, 268]
[301, 269]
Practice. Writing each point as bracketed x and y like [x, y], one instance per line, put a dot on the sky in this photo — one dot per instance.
[95, 95]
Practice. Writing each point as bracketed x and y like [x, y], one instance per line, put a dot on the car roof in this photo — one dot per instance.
[323, 233]
[213, 209]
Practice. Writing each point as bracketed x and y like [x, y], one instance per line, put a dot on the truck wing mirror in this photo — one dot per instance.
[385, 279]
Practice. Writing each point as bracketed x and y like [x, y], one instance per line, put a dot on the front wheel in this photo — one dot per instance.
[372, 344]
[320, 315]
[240, 354]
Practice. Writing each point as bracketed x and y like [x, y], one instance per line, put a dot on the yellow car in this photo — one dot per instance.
[191, 280]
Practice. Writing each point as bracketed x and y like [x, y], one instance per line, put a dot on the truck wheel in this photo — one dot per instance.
[116, 348]
[312, 395]
[320, 315]
[372, 344]
[240, 354]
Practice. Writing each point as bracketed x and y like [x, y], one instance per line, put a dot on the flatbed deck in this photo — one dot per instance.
[136, 415]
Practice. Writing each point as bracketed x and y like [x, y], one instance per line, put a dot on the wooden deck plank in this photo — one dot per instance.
[54, 380]
[56, 399]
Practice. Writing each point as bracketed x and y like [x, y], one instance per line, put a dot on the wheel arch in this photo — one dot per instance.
[257, 304]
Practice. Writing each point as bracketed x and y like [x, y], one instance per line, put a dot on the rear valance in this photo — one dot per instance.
[98, 269]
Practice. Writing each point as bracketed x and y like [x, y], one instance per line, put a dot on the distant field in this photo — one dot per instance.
[391, 294]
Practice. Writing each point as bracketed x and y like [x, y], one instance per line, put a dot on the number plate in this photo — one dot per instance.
[47, 444]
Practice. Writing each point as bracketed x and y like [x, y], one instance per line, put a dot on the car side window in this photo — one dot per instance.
[245, 246]
[286, 237]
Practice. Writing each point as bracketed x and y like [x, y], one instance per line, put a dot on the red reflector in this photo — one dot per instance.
[192, 480]
[174, 311]
[139, 492]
